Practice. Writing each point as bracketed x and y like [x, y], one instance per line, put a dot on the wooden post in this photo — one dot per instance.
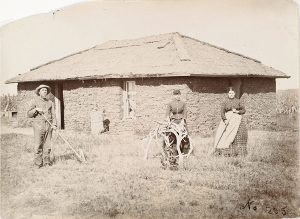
[58, 99]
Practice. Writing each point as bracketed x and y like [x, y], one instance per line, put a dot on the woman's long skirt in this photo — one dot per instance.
[239, 145]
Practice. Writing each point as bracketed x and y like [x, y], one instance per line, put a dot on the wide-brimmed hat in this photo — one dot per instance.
[37, 90]
[176, 92]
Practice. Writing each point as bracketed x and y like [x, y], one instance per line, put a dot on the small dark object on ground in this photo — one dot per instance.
[106, 123]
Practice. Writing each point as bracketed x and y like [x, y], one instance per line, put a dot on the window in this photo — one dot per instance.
[129, 99]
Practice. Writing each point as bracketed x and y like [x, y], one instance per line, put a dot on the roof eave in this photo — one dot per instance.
[172, 74]
[242, 76]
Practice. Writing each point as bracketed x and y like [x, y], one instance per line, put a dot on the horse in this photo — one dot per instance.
[172, 134]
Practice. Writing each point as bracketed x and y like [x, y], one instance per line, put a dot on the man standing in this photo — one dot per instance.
[40, 108]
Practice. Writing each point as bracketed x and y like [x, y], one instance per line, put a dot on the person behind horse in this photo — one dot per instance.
[175, 113]
[40, 109]
[176, 109]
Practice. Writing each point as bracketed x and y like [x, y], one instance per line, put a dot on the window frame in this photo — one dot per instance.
[127, 96]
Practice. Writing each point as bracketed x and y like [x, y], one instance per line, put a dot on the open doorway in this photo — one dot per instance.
[59, 105]
[237, 85]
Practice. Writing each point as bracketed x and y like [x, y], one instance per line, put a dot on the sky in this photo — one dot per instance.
[11, 10]
[31, 34]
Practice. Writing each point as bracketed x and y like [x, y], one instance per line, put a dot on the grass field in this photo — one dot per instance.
[117, 183]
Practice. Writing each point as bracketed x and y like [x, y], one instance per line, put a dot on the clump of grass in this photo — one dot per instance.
[100, 205]
[273, 148]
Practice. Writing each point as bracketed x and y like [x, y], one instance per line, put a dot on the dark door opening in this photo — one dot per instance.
[237, 86]
[59, 105]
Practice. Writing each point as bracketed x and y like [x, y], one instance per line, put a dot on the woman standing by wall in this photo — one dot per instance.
[232, 135]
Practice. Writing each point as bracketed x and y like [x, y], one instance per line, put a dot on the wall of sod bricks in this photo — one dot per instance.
[203, 97]
[259, 96]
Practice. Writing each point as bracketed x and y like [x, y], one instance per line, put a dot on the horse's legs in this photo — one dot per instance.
[180, 155]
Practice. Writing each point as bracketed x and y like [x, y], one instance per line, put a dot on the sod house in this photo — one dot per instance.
[132, 81]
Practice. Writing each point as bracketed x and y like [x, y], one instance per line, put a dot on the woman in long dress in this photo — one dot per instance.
[232, 135]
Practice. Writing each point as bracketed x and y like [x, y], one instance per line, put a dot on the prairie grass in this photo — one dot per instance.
[117, 183]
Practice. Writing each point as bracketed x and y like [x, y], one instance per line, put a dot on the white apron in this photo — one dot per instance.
[225, 134]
